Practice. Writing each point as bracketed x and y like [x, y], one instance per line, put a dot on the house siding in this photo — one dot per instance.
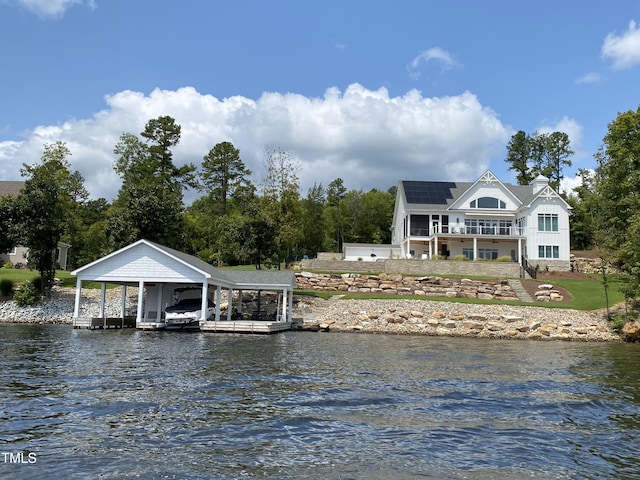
[143, 262]
[477, 229]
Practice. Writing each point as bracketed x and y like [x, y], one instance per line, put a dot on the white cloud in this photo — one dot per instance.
[435, 53]
[568, 184]
[623, 50]
[50, 8]
[569, 126]
[590, 77]
[428, 57]
[366, 137]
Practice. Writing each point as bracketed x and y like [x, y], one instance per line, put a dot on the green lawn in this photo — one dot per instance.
[587, 294]
[21, 275]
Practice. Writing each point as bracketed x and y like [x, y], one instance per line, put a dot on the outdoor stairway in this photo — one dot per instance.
[519, 290]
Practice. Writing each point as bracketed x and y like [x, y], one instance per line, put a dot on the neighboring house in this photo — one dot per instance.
[18, 255]
[483, 220]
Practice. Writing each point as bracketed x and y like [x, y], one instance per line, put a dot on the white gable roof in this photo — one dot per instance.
[150, 262]
[486, 179]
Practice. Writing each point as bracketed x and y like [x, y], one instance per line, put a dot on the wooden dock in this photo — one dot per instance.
[109, 322]
[245, 326]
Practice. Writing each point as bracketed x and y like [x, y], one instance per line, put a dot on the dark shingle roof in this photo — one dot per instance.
[445, 193]
[11, 188]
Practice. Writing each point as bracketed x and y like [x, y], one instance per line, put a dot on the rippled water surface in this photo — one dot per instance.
[132, 404]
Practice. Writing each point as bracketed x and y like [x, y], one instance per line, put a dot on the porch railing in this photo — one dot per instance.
[493, 230]
[527, 267]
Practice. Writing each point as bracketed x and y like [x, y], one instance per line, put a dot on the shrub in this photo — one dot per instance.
[26, 294]
[7, 264]
[6, 287]
[460, 258]
[504, 258]
[37, 283]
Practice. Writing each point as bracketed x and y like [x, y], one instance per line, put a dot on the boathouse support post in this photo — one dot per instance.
[204, 306]
[285, 297]
[290, 306]
[218, 297]
[159, 303]
[123, 301]
[103, 296]
[229, 304]
[76, 305]
[140, 301]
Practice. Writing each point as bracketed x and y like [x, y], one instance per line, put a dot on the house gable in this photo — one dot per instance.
[141, 260]
[488, 193]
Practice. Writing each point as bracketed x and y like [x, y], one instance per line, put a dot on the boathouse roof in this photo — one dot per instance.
[149, 262]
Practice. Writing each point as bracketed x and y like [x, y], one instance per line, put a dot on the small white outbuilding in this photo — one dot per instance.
[157, 271]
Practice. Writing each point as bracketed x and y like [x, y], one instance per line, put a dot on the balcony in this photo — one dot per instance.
[465, 231]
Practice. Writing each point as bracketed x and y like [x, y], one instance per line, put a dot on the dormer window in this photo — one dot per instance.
[487, 202]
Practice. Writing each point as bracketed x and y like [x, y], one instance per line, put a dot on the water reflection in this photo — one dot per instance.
[129, 404]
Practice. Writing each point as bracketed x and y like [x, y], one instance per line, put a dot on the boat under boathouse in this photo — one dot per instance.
[160, 274]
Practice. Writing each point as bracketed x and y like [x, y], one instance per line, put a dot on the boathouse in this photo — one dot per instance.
[158, 271]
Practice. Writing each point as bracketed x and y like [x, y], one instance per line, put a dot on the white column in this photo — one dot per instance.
[435, 245]
[520, 251]
[218, 297]
[140, 301]
[76, 306]
[285, 303]
[290, 307]
[123, 301]
[475, 248]
[204, 305]
[103, 296]
[229, 303]
[159, 303]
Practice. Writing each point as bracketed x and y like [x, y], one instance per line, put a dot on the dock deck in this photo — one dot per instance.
[109, 322]
[245, 326]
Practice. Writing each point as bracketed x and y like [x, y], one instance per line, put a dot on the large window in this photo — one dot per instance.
[547, 222]
[487, 202]
[488, 227]
[488, 253]
[548, 251]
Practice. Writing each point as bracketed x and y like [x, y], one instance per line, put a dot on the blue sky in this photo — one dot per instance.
[369, 91]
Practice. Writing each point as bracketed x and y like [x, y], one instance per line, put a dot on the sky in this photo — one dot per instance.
[372, 92]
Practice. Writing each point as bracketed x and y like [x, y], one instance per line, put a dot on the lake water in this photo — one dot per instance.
[132, 404]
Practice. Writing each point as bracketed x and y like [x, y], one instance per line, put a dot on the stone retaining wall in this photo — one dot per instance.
[406, 285]
[418, 267]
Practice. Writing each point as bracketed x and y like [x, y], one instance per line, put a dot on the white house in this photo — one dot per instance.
[486, 219]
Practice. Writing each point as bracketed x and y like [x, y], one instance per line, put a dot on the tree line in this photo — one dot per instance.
[233, 221]
[605, 215]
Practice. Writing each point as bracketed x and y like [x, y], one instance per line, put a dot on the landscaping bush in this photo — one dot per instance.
[460, 258]
[504, 258]
[7, 264]
[26, 294]
[37, 283]
[6, 287]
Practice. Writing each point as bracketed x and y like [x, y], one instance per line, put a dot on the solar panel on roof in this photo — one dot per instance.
[428, 192]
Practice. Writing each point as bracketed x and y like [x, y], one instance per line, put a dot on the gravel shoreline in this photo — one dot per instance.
[397, 316]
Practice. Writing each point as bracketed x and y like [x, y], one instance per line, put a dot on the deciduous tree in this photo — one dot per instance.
[150, 201]
[45, 205]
